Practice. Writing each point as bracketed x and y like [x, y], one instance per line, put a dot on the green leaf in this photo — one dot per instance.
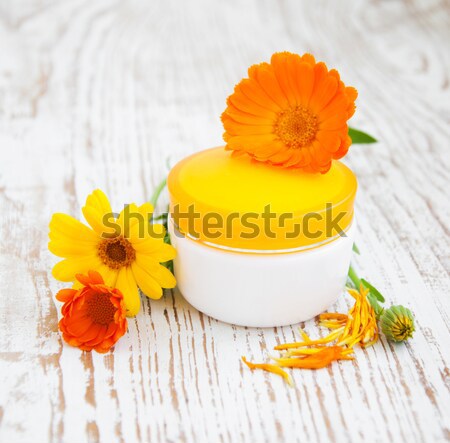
[355, 249]
[375, 305]
[360, 137]
[373, 290]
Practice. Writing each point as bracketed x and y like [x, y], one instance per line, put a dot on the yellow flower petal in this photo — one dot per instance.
[95, 219]
[154, 231]
[109, 275]
[138, 226]
[146, 210]
[165, 278]
[126, 284]
[99, 202]
[155, 249]
[165, 253]
[146, 282]
[158, 272]
[66, 228]
[129, 217]
[98, 213]
[68, 249]
[66, 269]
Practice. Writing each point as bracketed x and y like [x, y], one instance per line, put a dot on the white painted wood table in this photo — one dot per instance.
[107, 94]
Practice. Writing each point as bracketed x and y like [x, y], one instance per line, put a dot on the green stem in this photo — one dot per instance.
[157, 192]
[353, 276]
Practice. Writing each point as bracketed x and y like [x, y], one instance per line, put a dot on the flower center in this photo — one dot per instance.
[403, 330]
[116, 252]
[100, 309]
[296, 127]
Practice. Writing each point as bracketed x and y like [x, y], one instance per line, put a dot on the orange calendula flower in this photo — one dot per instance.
[94, 317]
[291, 112]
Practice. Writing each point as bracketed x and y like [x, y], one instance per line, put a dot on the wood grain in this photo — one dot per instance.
[108, 94]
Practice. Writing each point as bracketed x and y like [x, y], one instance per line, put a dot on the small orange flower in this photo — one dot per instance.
[292, 112]
[94, 317]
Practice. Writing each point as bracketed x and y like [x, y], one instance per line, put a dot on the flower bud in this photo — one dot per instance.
[397, 323]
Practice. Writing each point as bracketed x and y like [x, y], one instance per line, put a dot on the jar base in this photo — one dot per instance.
[261, 290]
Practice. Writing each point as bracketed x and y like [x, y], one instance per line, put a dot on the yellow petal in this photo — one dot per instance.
[69, 249]
[126, 284]
[95, 219]
[77, 285]
[138, 225]
[66, 269]
[164, 277]
[99, 201]
[165, 253]
[159, 273]
[67, 228]
[146, 282]
[129, 217]
[109, 275]
[146, 210]
[99, 215]
[155, 249]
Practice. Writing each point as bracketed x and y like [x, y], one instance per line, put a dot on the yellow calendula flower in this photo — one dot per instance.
[126, 250]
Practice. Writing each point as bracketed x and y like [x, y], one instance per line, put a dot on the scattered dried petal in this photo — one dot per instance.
[269, 368]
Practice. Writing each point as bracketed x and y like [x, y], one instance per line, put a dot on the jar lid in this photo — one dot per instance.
[236, 202]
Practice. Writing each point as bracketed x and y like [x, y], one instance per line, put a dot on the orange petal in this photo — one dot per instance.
[245, 118]
[321, 98]
[248, 142]
[65, 295]
[267, 150]
[78, 327]
[337, 106]
[267, 80]
[269, 368]
[253, 91]
[282, 156]
[283, 74]
[330, 140]
[241, 102]
[304, 74]
[90, 333]
[95, 277]
[308, 58]
[234, 128]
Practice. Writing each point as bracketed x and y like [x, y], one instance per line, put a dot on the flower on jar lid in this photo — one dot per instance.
[291, 112]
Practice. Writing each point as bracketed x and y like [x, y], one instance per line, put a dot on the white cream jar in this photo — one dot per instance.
[258, 245]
